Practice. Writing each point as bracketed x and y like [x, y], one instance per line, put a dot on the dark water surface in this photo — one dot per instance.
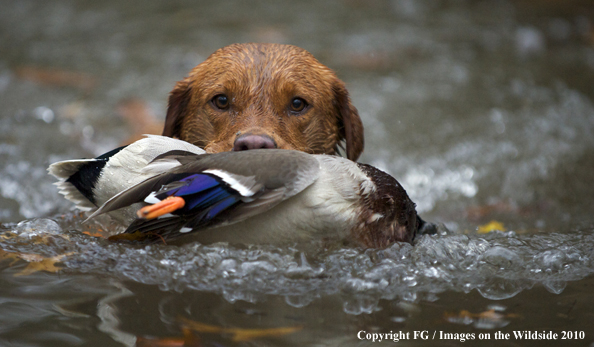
[483, 110]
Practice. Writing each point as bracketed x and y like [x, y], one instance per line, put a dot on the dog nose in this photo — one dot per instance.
[246, 142]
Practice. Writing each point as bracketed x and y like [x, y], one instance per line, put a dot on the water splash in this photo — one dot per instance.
[498, 265]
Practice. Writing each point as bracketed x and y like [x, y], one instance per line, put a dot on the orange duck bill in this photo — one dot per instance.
[171, 204]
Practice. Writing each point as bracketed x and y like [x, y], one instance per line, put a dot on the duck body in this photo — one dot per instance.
[256, 196]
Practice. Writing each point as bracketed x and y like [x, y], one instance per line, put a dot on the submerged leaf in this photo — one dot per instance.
[39, 263]
[239, 334]
[491, 226]
[136, 236]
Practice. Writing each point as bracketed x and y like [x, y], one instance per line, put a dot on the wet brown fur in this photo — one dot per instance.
[260, 81]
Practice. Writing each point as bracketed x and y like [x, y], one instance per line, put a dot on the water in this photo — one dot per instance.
[498, 265]
[100, 280]
[482, 110]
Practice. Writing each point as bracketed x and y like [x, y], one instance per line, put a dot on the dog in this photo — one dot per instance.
[255, 95]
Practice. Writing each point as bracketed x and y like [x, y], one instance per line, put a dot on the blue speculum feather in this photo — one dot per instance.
[207, 198]
[203, 193]
[195, 183]
[221, 206]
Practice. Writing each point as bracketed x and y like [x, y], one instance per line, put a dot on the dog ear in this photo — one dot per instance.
[176, 109]
[352, 127]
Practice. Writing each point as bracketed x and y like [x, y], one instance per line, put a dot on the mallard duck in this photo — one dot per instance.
[164, 188]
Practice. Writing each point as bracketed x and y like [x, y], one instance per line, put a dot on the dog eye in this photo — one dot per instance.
[298, 104]
[221, 101]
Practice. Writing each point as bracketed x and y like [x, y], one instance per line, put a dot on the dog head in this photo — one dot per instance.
[247, 96]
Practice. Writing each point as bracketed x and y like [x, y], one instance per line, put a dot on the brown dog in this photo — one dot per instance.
[248, 96]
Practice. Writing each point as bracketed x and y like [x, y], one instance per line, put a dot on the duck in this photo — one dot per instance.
[165, 189]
